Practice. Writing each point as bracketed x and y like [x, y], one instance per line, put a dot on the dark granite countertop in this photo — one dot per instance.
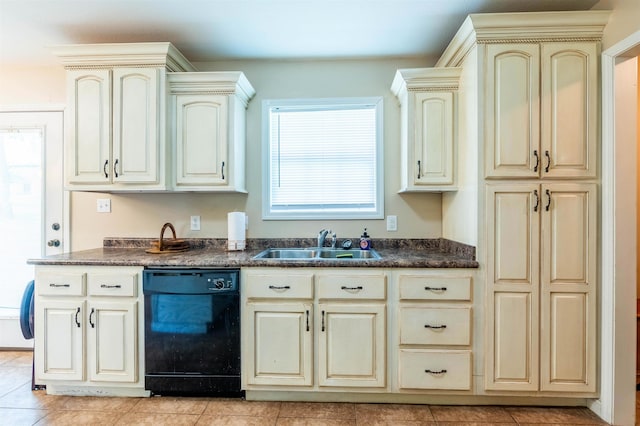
[212, 253]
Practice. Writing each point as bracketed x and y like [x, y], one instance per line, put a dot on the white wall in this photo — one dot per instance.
[624, 21]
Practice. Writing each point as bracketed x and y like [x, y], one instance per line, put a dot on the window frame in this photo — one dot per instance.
[267, 213]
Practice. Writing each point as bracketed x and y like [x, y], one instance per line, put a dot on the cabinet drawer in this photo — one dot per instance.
[122, 285]
[422, 287]
[346, 286]
[435, 326]
[428, 369]
[279, 286]
[52, 283]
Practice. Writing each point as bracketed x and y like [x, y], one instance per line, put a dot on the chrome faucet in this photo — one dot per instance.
[333, 240]
[321, 236]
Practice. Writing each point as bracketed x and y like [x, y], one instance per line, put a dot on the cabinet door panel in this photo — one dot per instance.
[434, 138]
[201, 139]
[280, 348]
[59, 343]
[513, 229]
[112, 337]
[568, 300]
[515, 346]
[512, 110]
[569, 109]
[352, 344]
[88, 126]
[135, 124]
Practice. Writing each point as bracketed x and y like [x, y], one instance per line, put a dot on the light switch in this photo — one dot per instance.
[392, 223]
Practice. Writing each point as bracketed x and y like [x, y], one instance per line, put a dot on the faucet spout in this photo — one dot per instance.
[321, 237]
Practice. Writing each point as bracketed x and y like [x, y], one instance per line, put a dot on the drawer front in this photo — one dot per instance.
[422, 287]
[279, 286]
[50, 283]
[347, 286]
[435, 326]
[426, 369]
[120, 285]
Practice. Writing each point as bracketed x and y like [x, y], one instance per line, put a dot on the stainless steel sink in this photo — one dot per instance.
[317, 253]
[289, 253]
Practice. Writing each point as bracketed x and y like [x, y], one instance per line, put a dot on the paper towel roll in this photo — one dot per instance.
[236, 230]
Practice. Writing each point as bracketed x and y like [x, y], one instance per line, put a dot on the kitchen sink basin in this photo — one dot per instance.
[277, 253]
[317, 253]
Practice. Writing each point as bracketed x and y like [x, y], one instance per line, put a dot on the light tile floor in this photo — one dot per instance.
[21, 406]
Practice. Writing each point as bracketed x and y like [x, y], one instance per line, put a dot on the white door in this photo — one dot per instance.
[33, 205]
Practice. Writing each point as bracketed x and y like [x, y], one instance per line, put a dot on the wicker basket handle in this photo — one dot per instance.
[164, 227]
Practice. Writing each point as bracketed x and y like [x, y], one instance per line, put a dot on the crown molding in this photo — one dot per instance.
[109, 55]
[425, 80]
[523, 27]
[223, 83]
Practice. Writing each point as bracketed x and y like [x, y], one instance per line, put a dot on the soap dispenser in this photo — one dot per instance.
[365, 240]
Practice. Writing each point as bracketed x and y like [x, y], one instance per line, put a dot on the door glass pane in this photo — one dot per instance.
[20, 212]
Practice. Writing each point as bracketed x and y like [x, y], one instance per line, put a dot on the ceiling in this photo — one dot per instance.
[208, 30]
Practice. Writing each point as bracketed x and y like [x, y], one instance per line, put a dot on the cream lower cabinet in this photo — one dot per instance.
[435, 323]
[88, 322]
[287, 327]
[277, 328]
[352, 340]
[541, 287]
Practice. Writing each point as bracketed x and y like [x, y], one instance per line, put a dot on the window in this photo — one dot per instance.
[323, 159]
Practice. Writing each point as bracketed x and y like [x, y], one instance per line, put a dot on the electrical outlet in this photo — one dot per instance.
[392, 223]
[103, 205]
[195, 223]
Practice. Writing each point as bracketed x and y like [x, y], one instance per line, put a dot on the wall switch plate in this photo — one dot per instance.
[103, 205]
[195, 223]
[392, 223]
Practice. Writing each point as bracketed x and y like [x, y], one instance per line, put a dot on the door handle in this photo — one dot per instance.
[115, 168]
[222, 170]
[76, 317]
[307, 320]
[548, 200]
[535, 194]
[93, 311]
[546, 154]
[419, 169]
[104, 168]
[535, 154]
[322, 320]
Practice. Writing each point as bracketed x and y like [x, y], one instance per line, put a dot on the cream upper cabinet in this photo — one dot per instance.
[541, 287]
[116, 125]
[208, 130]
[541, 110]
[427, 109]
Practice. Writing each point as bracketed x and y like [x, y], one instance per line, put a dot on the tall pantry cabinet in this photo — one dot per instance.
[528, 104]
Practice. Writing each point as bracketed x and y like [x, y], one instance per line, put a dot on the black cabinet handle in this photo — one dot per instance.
[435, 288]
[222, 171]
[435, 372]
[548, 200]
[93, 311]
[535, 154]
[110, 286]
[546, 154]
[279, 287]
[322, 320]
[59, 285]
[435, 326]
[76, 318]
[115, 168]
[344, 287]
[307, 320]
[104, 168]
[419, 169]
[535, 194]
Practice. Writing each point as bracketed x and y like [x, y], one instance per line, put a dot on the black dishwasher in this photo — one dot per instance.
[192, 331]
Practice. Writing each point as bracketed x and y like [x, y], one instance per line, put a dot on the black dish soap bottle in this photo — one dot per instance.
[365, 241]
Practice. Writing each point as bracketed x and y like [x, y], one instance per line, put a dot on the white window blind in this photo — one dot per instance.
[324, 158]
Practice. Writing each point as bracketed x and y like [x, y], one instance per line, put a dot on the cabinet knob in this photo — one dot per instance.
[53, 243]
[55, 226]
